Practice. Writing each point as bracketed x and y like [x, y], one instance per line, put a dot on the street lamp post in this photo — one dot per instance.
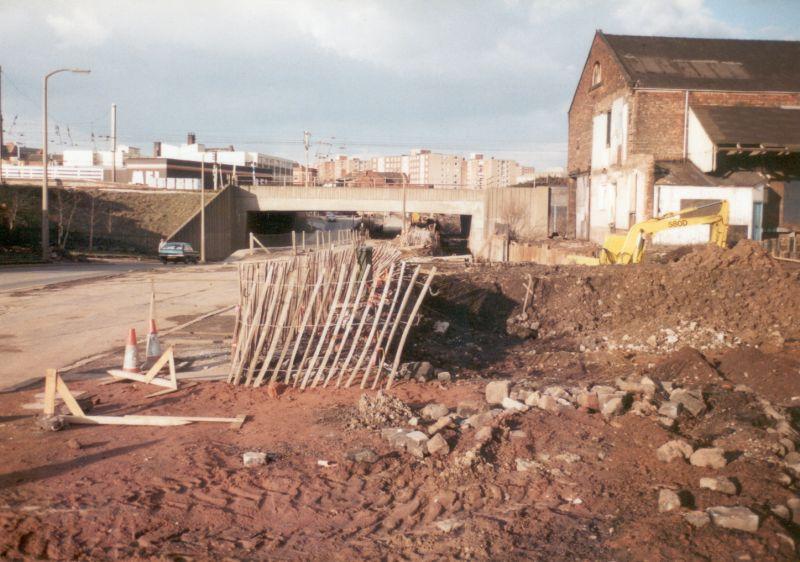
[45, 210]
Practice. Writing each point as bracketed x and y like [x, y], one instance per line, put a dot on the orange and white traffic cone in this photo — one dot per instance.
[152, 350]
[131, 363]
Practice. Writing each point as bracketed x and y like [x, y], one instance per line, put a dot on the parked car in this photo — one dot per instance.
[178, 252]
[330, 217]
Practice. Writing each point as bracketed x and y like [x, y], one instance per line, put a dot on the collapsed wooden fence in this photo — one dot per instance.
[325, 318]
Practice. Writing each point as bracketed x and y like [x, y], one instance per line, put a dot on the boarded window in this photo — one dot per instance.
[597, 75]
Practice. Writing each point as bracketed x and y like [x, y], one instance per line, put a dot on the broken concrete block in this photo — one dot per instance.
[781, 511]
[437, 445]
[556, 392]
[424, 372]
[642, 408]
[479, 420]
[395, 436]
[441, 327]
[721, 484]
[524, 465]
[440, 424]
[675, 449]
[532, 399]
[628, 385]
[416, 443]
[612, 407]
[367, 456]
[739, 518]
[670, 409]
[511, 404]
[517, 434]
[254, 458]
[548, 403]
[697, 519]
[444, 376]
[483, 434]
[434, 411]
[669, 423]
[711, 457]
[794, 506]
[648, 386]
[692, 400]
[589, 401]
[468, 408]
[668, 500]
[496, 391]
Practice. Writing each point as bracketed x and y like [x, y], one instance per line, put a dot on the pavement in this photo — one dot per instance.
[54, 316]
[17, 277]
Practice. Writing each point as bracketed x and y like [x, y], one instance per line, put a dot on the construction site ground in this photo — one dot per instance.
[560, 482]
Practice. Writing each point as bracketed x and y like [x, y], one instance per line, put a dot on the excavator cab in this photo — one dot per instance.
[629, 248]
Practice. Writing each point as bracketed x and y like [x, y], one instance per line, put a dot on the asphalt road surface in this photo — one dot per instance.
[14, 278]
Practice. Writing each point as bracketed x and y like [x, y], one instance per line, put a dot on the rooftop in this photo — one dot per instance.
[708, 64]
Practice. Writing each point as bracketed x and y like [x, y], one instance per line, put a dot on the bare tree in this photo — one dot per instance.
[65, 214]
[12, 210]
[514, 217]
[95, 208]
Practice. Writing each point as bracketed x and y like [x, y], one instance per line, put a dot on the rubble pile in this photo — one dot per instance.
[379, 410]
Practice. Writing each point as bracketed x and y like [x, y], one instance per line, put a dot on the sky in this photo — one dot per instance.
[364, 77]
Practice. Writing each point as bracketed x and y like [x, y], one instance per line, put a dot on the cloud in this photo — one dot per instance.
[78, 27]
[669, 17]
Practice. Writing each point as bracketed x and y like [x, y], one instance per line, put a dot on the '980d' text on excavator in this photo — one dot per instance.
[629, 248]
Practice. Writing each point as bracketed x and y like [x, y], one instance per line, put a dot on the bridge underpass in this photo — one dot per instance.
[227, 214]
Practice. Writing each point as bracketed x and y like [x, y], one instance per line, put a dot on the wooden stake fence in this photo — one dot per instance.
[307, 318]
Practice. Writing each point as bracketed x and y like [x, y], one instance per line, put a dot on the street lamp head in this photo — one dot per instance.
[80, 70]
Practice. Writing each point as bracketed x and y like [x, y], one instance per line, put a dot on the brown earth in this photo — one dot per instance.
[590, 490]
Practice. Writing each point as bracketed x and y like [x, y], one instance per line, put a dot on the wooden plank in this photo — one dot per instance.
[374, 328]
[171, 390]
[127, 420]
[50, 377]
[349, 327]
[409, 322]
[66, 396]
[119, 373]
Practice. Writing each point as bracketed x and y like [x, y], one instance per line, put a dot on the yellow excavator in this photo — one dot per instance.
[629, 248]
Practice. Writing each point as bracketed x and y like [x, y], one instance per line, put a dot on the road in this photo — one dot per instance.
[57, 325]
[28, 276]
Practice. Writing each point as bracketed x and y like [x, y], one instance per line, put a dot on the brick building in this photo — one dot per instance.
[658, 124]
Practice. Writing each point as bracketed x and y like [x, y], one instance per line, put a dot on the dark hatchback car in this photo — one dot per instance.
[178, 252]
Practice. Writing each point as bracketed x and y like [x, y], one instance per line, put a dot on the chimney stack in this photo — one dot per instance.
[157, 149]
[191, 138]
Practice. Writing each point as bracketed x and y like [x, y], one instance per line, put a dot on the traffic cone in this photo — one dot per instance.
[153, 348]
[131, 363]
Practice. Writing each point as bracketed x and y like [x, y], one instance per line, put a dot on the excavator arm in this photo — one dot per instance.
[629, 248]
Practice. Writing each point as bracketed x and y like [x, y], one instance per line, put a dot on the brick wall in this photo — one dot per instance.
[657, 118]
[589, 101]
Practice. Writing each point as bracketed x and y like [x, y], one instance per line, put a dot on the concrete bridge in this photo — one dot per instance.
[526, 209]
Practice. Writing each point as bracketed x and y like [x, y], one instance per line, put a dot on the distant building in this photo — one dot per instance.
[658, 124]
[300, 177]
[103, 158]
[484, 173]
[279, 169]
[435, 169]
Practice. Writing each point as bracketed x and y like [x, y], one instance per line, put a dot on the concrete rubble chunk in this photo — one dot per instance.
[612, 407]
[479, 420]
[794, 506]
[692, 400]
[669, 423]
[525, 465]
[416, 443]
[511, 404]
[468, 408]
[648, 386]
[444, 376]
[548, 403]
[483, 434]
[437, 445]
[496, 391]
[518, 434]
[588, 400]
[532, 399]
[738, 518]
[628, 385]
[721, 484]
[781, 511]
[440, 424]
[669, 409]
[434, 411]
[424, 372]
[365, 455]
[668, 500]
[395, 436]
[710, 457]
[697, 519]
[254, 458]
[642, 408]
[556, 392]
[675, 449]
[441, 327]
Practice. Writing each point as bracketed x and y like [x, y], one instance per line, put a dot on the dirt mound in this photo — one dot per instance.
[380, 410]
[711, 298]
[746, 253]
